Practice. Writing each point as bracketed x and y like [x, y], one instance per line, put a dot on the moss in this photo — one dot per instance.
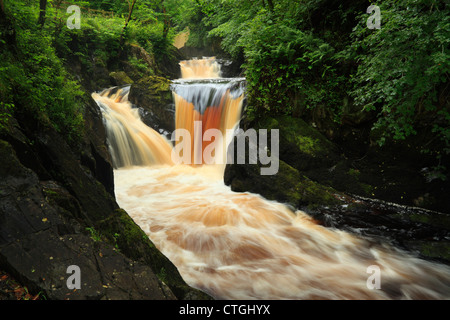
[287, 186]
[307, 139]
[123, 233]
[121, 78]
[439, 250]
[354, 173]
[155, 84]
[307, 144]
[367, 189]
[438, 220]
[8, 161]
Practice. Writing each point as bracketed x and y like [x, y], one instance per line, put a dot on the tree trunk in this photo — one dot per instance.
[6, 27]
[130, 12]
[270, 2]
[42, 8]
[166, 21]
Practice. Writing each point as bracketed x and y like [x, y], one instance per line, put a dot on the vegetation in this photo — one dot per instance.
[36, 47]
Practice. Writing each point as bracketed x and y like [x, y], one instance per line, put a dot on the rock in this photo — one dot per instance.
[120, 78]
[424, 233]
[39, 240]
[287, 186]
[153, 94]
[55, 212]
[95, 155]
[301, 146]
[304, 148]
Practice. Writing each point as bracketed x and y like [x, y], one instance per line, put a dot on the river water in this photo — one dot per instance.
[240, 245]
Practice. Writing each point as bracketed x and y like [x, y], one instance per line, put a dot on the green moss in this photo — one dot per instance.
[354, 173]
[95, 235]
[122, 232]
[307, 145]
[367, 189]
[438, 220]
[436, 250]
[121, 78]
[306, 138]
[9, 164]
[290, 186]
[155, 84]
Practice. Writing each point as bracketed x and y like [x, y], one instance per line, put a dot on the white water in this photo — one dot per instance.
[241, 246]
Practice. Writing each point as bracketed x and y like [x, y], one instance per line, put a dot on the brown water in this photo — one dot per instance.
[240, 245]
[206, 68]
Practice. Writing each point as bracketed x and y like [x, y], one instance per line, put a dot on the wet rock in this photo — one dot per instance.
[154, 96]
[39, 240]
[423, 232]
[120, 78]
[301, 146]
[288, 185]
[55, 212]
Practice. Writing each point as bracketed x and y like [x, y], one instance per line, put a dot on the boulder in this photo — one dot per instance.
[288, 185]
[154, 96]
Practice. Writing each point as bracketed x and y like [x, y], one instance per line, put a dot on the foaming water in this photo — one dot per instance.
[242, 246]
[131, 142]
[206, 68]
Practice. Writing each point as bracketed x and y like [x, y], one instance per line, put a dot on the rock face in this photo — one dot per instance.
[154, 96]
[288, 185]
[57, 209]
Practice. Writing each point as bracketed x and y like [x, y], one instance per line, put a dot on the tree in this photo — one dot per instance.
[166, 20]
[130, 12]
[270, 2]
[42, 9]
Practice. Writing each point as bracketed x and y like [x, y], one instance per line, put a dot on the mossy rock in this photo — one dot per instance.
[153, 94]
[121, 231]
[120, 78]
[439, 250]
[301, 146]
[288, 185]
[155, 84]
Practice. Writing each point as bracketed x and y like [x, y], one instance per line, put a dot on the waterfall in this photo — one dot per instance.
[240, 245]
[131, 142]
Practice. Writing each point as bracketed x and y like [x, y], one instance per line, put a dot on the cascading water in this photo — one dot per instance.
[240, 245]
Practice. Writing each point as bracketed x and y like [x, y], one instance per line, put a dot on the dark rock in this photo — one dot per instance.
[288, 185]
[95, 155]
[62, 215]
[35, 251]
[120, 78]
[301, 146]
[154, 96]
[423, 232]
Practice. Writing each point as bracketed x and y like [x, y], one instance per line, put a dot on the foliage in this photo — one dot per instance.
[301, 55]
[404, 68]
[289, 65]
[33, 68]
[34, 78]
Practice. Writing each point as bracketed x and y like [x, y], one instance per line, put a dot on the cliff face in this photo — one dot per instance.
[57, 209]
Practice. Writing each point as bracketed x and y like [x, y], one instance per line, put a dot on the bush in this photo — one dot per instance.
[404, 68]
